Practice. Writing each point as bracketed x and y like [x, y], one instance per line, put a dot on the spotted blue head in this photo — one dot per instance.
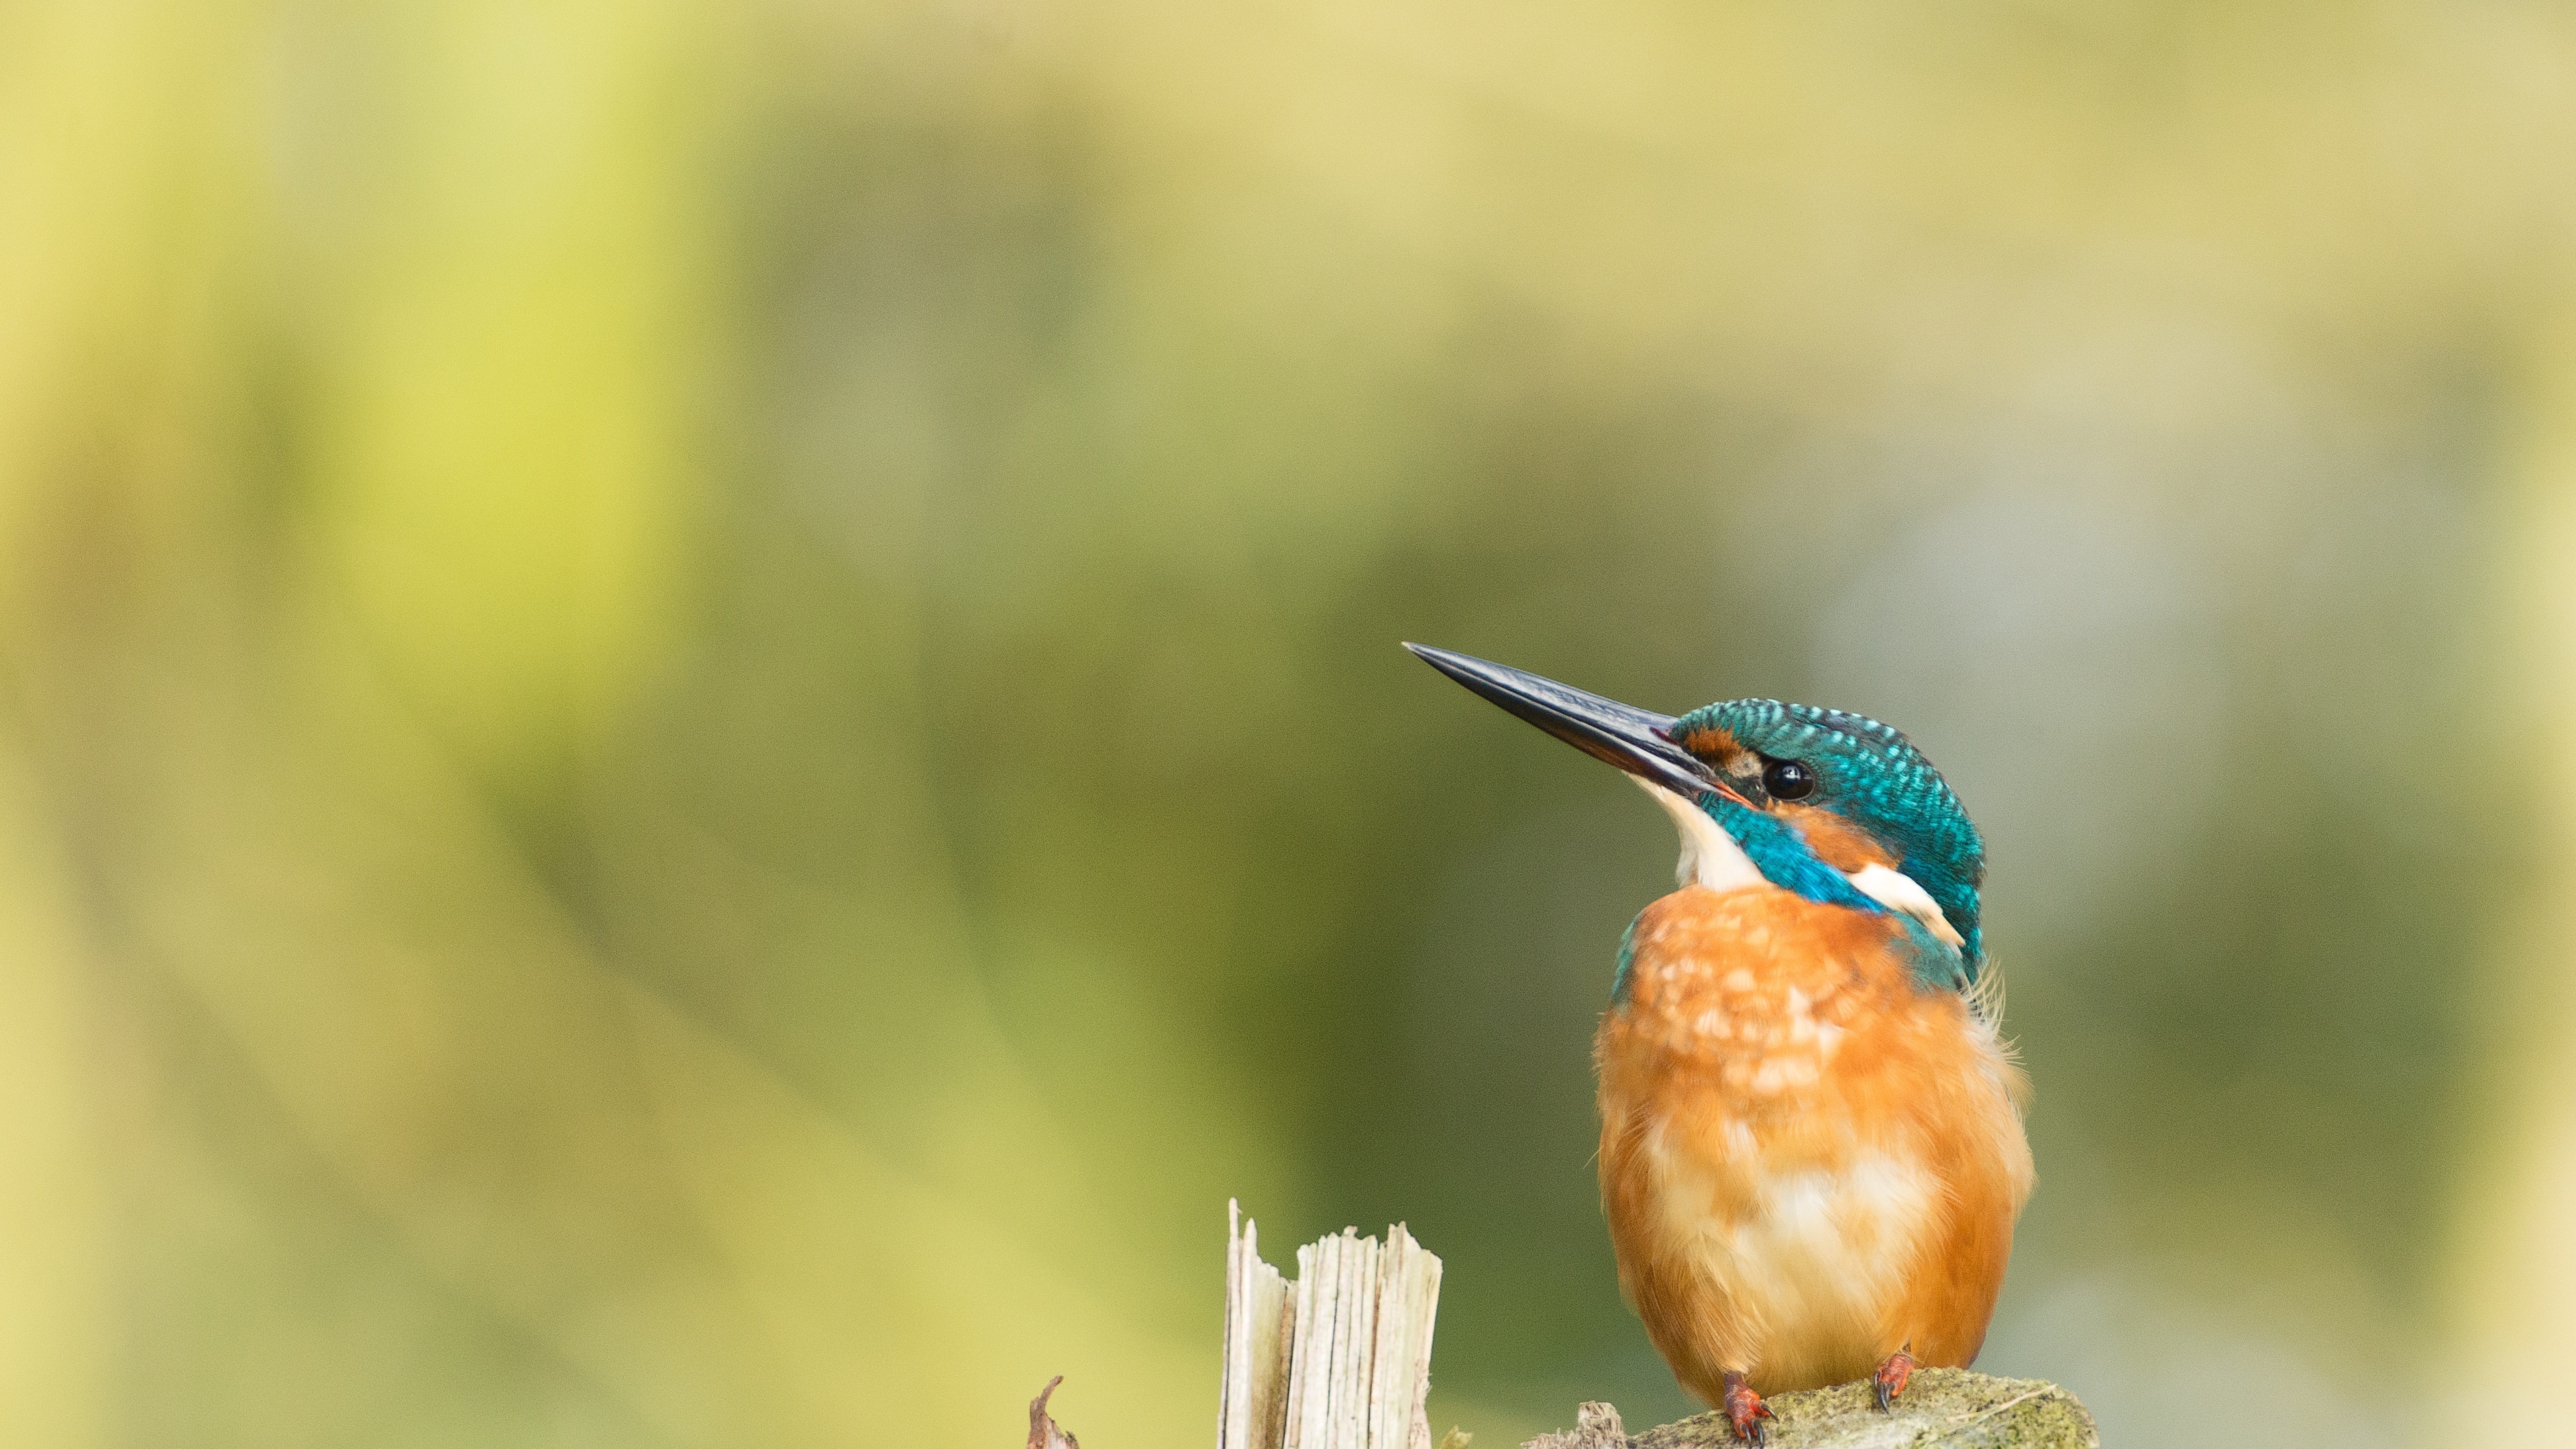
[1834, 806]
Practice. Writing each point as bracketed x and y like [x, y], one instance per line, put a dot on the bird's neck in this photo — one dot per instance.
[1727, 847]
[1782, 855]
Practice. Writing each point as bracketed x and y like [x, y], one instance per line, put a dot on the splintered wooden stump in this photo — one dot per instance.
[1940, 1409]
[1340, 1359]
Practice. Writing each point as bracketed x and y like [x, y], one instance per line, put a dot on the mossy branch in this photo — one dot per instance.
[1941, 1409]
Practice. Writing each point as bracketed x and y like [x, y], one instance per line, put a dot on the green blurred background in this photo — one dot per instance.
[701, 735]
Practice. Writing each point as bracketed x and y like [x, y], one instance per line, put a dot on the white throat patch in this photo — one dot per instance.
[1710, 856]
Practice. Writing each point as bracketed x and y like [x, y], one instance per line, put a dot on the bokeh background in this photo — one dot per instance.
[701, 735]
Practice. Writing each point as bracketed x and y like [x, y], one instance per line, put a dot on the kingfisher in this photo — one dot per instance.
[1812, 1153]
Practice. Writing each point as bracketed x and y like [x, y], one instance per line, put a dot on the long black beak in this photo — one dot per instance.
[1637, 741]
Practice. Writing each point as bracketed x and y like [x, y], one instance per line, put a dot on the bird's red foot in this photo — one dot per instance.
[1890, 1379]
[1746, 1411]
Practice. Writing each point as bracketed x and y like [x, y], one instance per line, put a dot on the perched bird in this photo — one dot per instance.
[1811, 1136]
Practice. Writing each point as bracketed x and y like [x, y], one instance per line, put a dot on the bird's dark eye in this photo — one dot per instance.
[1788, 780]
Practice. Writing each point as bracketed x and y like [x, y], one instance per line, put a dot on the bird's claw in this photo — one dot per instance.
[1746, 1412]
[1890, 1379]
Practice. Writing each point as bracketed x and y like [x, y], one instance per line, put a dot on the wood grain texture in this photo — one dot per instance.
[1338, 1359]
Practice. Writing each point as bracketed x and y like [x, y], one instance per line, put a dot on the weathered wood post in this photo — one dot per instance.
[1339, 1360]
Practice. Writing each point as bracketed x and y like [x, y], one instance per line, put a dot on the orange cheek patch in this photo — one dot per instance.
[1709, 744]
[1717, 747]
[1836, 841]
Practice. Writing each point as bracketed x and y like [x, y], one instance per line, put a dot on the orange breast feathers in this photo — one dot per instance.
[1807, 1161]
